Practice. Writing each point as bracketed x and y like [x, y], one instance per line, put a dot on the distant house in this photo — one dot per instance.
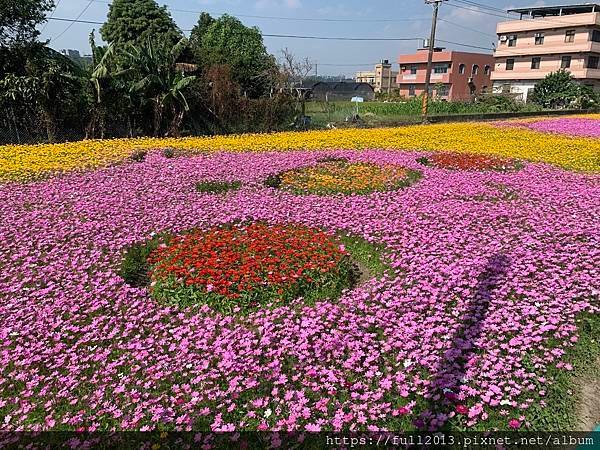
[383, 78]
[455, 76]
[332, 90]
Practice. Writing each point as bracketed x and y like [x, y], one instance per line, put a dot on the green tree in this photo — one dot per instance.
[137, 21]
[52, 88]
[228, 41]
[154, 75]
[18, 20]
[560, 90]
[204, 23]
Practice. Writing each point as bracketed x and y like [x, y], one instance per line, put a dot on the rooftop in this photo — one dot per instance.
[558, 10]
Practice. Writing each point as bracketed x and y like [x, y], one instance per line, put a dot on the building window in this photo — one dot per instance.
[411, 90]
[461, 69]
[570, 36]
[512, 40]
[593, 62]
[475, 69]
[535, 62]
[565, 62]
[595, 36]
[539, 38]
[442, 91]
[440, 68]
[510, 64]
[486, 69]
[413, 69]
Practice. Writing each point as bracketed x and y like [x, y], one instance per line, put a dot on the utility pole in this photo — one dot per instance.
[436, 7]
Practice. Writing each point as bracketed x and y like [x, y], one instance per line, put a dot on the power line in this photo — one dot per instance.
[50, 16]
[60, 19]
[482, 6]
[330, 38]
[465, 45]
[479, 11]
[75, 20]
[298, 19]
[507, 17]
[347, 65]
[289, 36]
[484, 33]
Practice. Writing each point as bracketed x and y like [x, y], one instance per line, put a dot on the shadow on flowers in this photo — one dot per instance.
[449, 377]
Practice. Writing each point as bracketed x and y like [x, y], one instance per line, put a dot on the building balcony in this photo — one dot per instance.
[535, 50]
[420, 78]
[547, 23]
[505, 75]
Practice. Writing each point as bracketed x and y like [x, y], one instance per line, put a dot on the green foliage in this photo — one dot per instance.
[217, 187]
[50, 86]
[409, 110]
[168, 153]
[560, 90]
[424, 161]
[273, 181]
[139, 155]
[226, 40]
[134, 268]
[368, 256]
[199, 30]
[137, 21]
[19, 19]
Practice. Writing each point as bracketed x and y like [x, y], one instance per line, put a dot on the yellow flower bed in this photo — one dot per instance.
[32, 161]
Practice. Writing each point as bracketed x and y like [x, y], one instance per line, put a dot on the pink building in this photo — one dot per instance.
[454, 75]
[547, 39]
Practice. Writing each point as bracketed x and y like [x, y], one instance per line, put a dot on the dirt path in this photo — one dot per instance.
[588, 411]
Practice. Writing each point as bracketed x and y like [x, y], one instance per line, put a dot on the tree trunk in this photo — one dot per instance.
[50, 126]
[158, 114]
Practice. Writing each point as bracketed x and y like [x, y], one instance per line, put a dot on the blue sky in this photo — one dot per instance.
[363, 19]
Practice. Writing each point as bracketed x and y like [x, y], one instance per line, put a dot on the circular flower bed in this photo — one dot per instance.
[466, 161]
[248, 265]
[337, 176]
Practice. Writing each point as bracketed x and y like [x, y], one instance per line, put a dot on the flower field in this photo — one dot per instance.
[473, 322]
[28, 162]
[566, 126]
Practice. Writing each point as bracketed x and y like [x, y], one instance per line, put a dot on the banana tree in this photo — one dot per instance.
[154, 74]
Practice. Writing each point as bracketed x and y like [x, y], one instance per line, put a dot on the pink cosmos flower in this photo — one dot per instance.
[514, 424]
[461, 409]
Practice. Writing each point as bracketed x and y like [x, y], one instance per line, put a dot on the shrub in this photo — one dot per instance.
[168, 153]
[139, 155]
[273, 181]
[217, 187]
[560, 90]
[134, 268]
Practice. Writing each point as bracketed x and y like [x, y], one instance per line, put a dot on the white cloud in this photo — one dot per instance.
[278, 4]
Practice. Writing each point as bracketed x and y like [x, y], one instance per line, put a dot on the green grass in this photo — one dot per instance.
[379, 113]
[366, 254]
[563, 396]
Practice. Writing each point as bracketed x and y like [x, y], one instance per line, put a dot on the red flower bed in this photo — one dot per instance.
[467, 161]
[247, 265]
